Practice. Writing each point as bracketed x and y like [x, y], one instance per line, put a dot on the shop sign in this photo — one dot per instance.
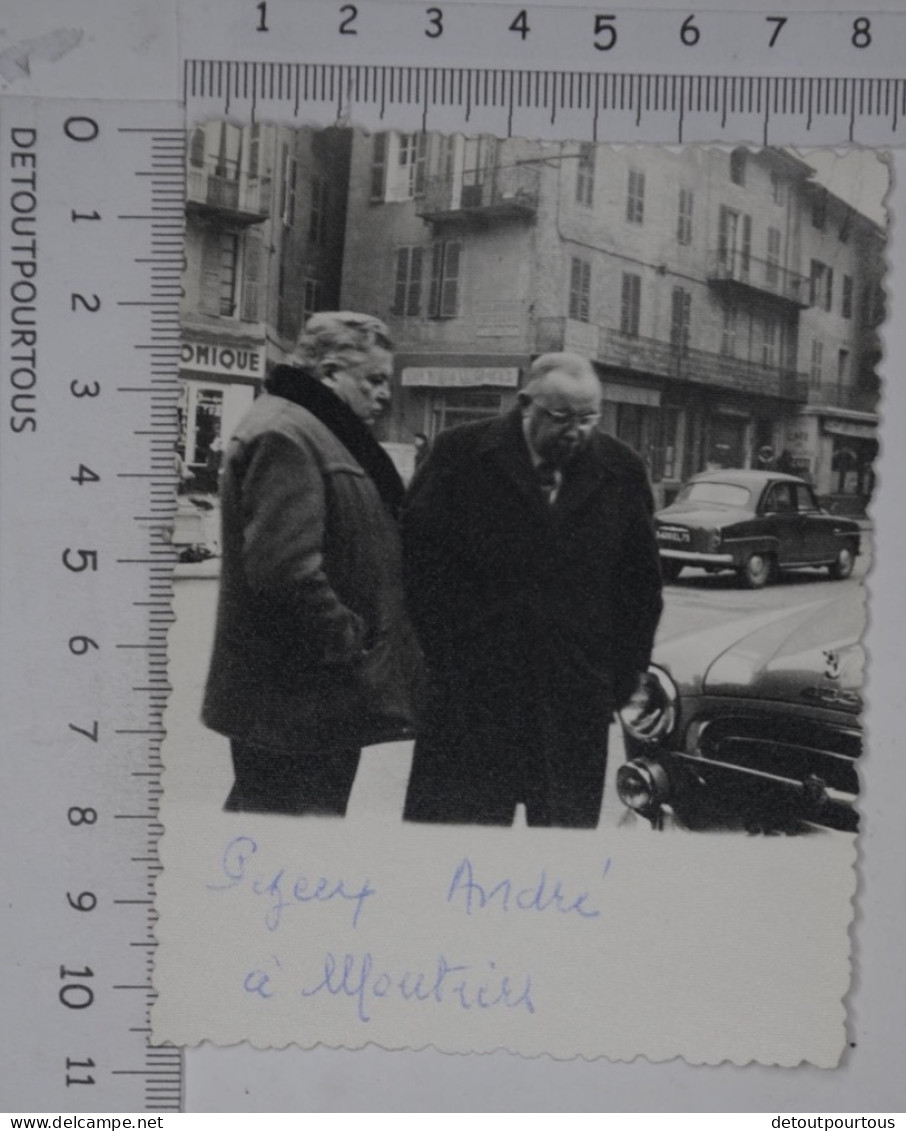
[225, 360]
[449, 377]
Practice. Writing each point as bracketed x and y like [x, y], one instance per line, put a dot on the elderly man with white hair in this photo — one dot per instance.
[313, 654]
[533, 581]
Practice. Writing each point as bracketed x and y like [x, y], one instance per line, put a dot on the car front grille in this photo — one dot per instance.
[787, 747]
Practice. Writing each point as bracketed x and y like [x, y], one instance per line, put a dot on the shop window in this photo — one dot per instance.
[219, 263]
[579, 289]
[462, 406]
[684, 217]
[317, 217]
[635, 197]
[408, 282]
[206, 425]
[636, 426]
[443, 297]
[631, 304]
[680, 319]
[669, 445]
[846, 304]
[585, 175]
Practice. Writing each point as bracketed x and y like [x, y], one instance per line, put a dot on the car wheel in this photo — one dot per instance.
[670, 569]
[757, 571]
[843, 566]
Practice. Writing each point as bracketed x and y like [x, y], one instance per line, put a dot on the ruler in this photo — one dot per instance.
[91, 216]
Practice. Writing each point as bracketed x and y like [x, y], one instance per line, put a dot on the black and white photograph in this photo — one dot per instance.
[523, 523]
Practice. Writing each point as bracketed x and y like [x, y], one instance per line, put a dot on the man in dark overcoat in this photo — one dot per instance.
[532, 578]
[313, 656]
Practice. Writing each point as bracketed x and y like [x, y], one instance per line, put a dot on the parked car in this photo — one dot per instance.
[755, 723]
[755, 522]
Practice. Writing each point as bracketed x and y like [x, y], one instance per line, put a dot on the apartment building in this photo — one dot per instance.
[265, 218]
[728, 300]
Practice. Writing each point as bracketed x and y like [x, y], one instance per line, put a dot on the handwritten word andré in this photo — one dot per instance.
[544, 895]
[281, 890]
[361, 980]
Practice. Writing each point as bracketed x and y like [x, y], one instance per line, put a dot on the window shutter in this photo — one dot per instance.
[437, 265]
[421, 155]
[829, 293]
[251, 279]
[585, 304]
[209, 297]
[450, 294]
[413, 299]
[746, 245]
[402, 278]
[379, 168]
[630, 303]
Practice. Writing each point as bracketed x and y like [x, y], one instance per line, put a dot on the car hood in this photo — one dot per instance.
[694, 514]
[807, 655]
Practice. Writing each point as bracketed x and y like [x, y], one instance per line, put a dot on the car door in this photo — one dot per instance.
[782, 521]
[819, 543]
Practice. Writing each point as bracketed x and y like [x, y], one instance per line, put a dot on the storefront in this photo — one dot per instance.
[219, 383]
[436, 397]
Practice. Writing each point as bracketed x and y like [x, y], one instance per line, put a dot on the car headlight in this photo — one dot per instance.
[643, 785]
[652, 712]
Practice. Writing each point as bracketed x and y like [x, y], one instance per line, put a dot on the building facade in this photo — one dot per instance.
[729, 302]
[265, 219]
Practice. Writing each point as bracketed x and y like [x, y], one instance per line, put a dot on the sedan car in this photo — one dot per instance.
[755, 522]
[755, 723]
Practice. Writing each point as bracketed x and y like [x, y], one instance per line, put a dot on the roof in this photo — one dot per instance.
[747, 475]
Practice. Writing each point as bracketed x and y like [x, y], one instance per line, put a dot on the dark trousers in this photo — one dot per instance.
[272, 780]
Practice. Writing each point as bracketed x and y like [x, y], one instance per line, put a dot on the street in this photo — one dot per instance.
[697, 601]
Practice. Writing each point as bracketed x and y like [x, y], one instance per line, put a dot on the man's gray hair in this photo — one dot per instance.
[341, 335]
[573, 364]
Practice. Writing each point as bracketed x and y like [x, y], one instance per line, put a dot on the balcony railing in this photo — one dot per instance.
[241, 202]
[503, 191]
[734, 269]
[843, 396]
[654, 357]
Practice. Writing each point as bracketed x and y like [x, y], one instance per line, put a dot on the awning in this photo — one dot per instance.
[631, 394]
[851, 428]
[460, 377]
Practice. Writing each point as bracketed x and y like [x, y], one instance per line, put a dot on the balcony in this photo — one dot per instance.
[653, 357]
[237, 203]
[843, 396]
[743, 275]
[506, 192]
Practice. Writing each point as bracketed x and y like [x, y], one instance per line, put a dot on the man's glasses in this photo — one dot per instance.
[567, 419]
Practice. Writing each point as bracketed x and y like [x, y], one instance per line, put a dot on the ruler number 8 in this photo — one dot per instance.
[861, 32]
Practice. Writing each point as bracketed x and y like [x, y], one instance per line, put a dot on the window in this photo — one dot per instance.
[778, 189]
[406, 157]
[378, 167]
[816, 371]
[846, 305]
[579, 289]
[585, 175]
[631, 304]
[734, 243]
[312, 298]
[769, 343]
[728, 331]
[317, 217]
[196, 152]
[219, 262]
[738, 166]
[443, 298]
[822, 284]
[288, 190]
[461, 406]
[819, 210]
[254, 150]
[408, 286]
[670, 425]
[684, 218]
[842, 366]
[228, 150]
[635, 199]
[680, 309]
[772, 270]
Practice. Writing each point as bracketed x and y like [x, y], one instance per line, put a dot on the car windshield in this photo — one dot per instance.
[721, 494]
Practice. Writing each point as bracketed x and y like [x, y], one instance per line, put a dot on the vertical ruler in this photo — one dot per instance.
[91, 219]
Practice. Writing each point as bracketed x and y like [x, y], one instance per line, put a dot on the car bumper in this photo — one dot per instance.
[706, 792]
[692, 557]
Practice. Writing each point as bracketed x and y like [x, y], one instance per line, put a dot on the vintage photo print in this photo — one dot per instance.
[524, 520]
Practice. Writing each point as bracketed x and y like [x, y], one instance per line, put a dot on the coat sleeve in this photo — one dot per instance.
[283, 528]
[640, 602]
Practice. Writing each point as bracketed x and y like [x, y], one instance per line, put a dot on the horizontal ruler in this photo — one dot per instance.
[762, 109]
